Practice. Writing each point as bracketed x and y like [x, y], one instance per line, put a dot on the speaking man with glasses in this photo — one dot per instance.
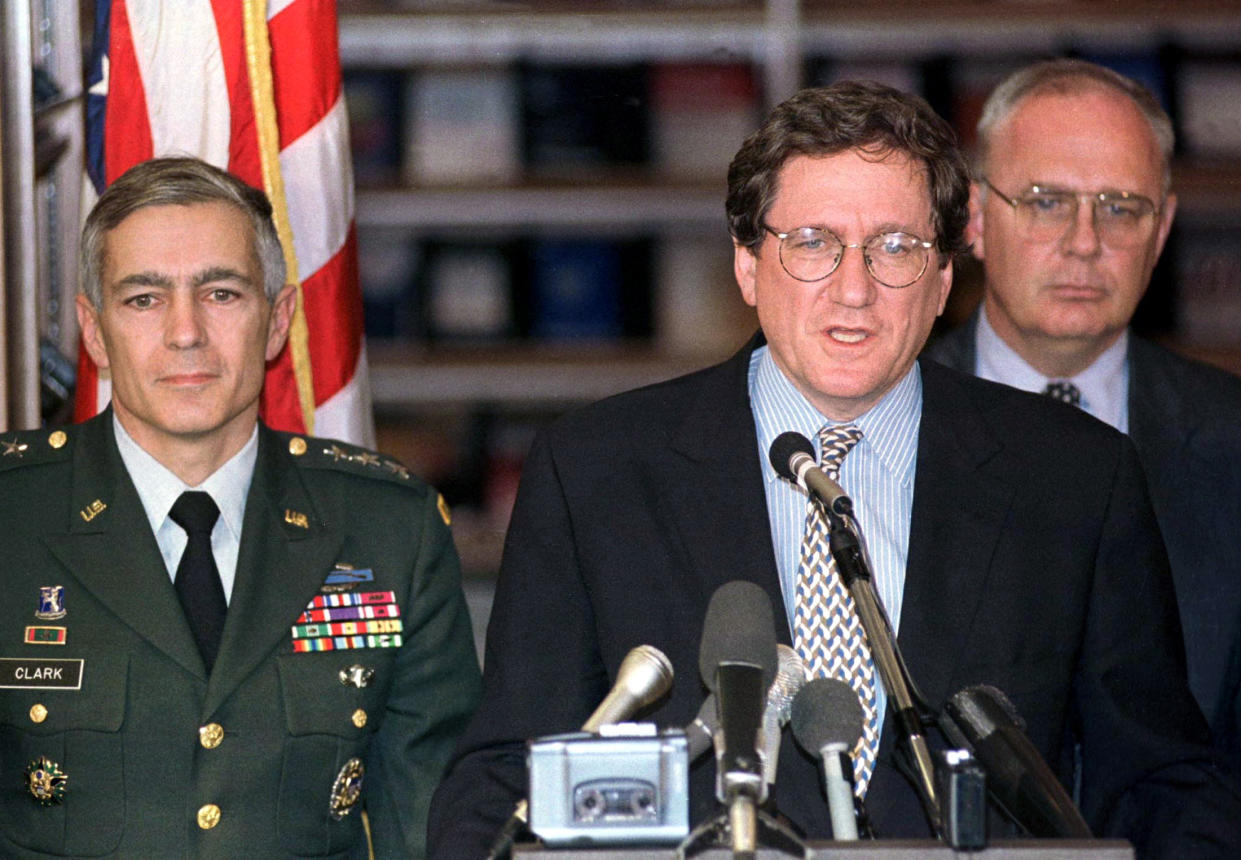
[1002, 554]
[1069, 213]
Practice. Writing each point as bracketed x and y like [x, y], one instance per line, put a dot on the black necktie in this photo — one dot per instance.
[1063, 390]
[198, 581]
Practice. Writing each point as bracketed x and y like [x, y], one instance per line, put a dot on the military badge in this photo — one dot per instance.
[357, 676]
[46, 781]
[347, 788]
[51, 603]
[14, 447]
[345, 578]
[46, 635]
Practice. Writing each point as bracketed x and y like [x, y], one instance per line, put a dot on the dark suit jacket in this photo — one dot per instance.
[1034, 565]
[129, 738]
[1185, 420]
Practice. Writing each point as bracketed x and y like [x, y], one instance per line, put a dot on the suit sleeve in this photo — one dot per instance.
[434, 691]
[543, 673]
[1148, 774]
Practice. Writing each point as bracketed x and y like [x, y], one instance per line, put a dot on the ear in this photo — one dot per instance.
[92, 335]
[1165, 223]
[973, 227]
[282, 310]
[745, 270]
[945, 286]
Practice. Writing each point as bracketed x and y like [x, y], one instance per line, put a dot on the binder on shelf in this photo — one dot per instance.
[388, 266]
[1209, 100]
[467, 291]
[1208, 277]
[374, 100]
[700, 115]
[462, 127]
[575, 289]
[582, 117]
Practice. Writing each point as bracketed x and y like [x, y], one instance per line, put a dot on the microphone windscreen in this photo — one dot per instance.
[739, 628]
[790, 677]
[826, 711]
[783, 449]
[979, 710]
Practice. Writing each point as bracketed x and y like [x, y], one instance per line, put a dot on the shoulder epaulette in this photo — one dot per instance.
[32, 447]
[315, 453]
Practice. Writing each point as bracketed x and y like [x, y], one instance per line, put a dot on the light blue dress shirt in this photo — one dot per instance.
[158, 489]
[878, 475]
[1104, 385]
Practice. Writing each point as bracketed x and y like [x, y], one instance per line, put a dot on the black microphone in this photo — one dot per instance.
[738, 661]
[983, 719]
[792, 455]
[643, 676]
[827, 721]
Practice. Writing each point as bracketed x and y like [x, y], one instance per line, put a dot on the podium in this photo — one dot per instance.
[894, 849]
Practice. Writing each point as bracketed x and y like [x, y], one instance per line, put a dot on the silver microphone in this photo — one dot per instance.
[644, 675]
[790, 676]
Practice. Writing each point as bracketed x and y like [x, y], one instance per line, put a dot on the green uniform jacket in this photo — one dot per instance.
[147, 741]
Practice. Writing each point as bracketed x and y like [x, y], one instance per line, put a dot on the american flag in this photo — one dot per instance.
[254, 87]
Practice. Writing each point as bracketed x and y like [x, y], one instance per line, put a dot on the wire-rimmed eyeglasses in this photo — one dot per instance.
[894, 259]
[1121, 217]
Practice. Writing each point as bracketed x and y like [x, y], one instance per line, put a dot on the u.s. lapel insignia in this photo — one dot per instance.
[347, 788]
[36, 635]
[346, 578]
[51, 603]
[93, 510]
[296, 518]
[13, 448]
[46, 781]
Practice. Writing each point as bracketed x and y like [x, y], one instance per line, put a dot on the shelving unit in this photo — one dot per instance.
[780, 40]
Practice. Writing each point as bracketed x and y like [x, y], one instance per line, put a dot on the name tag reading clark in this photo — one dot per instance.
[18, 673]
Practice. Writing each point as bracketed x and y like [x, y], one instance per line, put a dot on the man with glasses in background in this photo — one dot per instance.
[1012, 540]
[1069, 213]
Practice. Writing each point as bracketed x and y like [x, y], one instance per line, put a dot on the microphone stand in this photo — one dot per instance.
[846, 548]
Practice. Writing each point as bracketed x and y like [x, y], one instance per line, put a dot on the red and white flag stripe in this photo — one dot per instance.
[190, 77]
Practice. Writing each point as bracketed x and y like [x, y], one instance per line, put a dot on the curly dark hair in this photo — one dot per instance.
[861, 115]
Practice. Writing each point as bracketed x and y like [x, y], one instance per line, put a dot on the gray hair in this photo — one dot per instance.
[178, 181]
[1073, 77]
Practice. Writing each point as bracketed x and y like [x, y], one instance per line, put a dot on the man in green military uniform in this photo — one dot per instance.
[219, 640]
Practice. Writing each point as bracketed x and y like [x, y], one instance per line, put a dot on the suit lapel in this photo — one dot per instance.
[962, 494]
[113, 553]
[714, 495]
[1158, 426]
[280, 568]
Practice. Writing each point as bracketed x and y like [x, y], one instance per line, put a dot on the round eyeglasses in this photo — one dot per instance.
[1121, 218]
[894, 259]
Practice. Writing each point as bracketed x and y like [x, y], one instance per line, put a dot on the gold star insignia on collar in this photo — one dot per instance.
[396, 468]
[366, 458]
[13, 447]
[337, 453]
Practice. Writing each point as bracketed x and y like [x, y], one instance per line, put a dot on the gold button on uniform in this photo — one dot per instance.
[359, 718]
[297, 446]
[208, 816]
[210, 735]
[57, 439]
[38, 713]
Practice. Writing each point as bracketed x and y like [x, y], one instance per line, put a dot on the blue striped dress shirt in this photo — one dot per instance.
[878, 475]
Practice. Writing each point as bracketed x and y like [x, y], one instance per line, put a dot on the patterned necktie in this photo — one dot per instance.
[198, 580]
[827, 632]
[1065, 391]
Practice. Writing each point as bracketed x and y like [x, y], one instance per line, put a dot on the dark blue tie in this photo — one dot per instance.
[198, 581]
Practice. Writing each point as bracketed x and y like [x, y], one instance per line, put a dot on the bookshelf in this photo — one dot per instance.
[456, 407]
